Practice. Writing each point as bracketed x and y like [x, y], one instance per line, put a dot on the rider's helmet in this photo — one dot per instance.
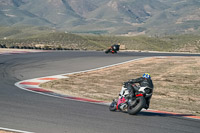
[147, 75]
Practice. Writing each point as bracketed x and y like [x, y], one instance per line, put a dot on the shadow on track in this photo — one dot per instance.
[167, 115]
[164, 114]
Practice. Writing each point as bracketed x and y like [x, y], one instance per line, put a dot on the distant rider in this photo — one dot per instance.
[115, 47]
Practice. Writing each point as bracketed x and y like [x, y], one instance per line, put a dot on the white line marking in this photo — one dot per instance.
[106, 66]
[60, 76]
[14, 130]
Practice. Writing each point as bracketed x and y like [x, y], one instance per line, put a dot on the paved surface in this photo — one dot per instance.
[23, 110]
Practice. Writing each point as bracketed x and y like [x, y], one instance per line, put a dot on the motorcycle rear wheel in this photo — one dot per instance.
[133, 110]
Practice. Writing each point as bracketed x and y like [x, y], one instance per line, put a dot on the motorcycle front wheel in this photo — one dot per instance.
[136, 108]
[107, 51]
[113, 106]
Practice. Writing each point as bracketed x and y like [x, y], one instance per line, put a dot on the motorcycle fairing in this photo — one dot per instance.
[120, 101]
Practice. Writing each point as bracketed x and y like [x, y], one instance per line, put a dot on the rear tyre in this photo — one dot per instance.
[140, 103]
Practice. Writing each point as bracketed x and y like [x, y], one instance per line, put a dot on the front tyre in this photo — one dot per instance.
[136, 108]
[107, 51]
[113, 106]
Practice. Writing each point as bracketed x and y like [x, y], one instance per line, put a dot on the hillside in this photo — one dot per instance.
[49, 38]
[131, 17]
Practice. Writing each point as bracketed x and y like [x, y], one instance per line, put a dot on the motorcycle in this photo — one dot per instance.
[113, 49]
[130, 100]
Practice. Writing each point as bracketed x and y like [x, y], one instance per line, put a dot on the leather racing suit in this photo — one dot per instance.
[143, 82]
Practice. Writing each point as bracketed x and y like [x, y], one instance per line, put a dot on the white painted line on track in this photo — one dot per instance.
[107, 66]
[14, 130]
[61, 76]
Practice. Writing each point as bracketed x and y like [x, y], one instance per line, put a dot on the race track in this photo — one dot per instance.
[23, 110]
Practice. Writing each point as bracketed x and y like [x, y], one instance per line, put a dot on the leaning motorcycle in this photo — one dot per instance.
[113, 49]
[130, 100]
[110, 50]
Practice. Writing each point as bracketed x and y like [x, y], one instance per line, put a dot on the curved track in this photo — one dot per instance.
[23, 110]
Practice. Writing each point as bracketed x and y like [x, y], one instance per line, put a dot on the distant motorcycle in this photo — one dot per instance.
[113, 49]
[131, 101]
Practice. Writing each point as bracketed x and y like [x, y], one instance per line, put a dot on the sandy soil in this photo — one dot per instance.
[7, 50]
[1, 131]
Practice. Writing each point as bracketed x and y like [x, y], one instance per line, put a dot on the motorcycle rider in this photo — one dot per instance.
[144, 81]
[115, 47]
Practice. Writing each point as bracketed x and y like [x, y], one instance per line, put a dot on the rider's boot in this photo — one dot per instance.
[147, 104]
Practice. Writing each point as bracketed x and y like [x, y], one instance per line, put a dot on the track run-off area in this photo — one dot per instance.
[28, 111]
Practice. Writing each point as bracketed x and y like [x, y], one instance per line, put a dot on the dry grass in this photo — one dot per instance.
[176, 81]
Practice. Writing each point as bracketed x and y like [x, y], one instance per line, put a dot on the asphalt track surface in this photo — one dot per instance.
[23, 110]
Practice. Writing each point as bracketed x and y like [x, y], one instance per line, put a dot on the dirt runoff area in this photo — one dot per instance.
[2, 131]
[5, 50]
[176, 83]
